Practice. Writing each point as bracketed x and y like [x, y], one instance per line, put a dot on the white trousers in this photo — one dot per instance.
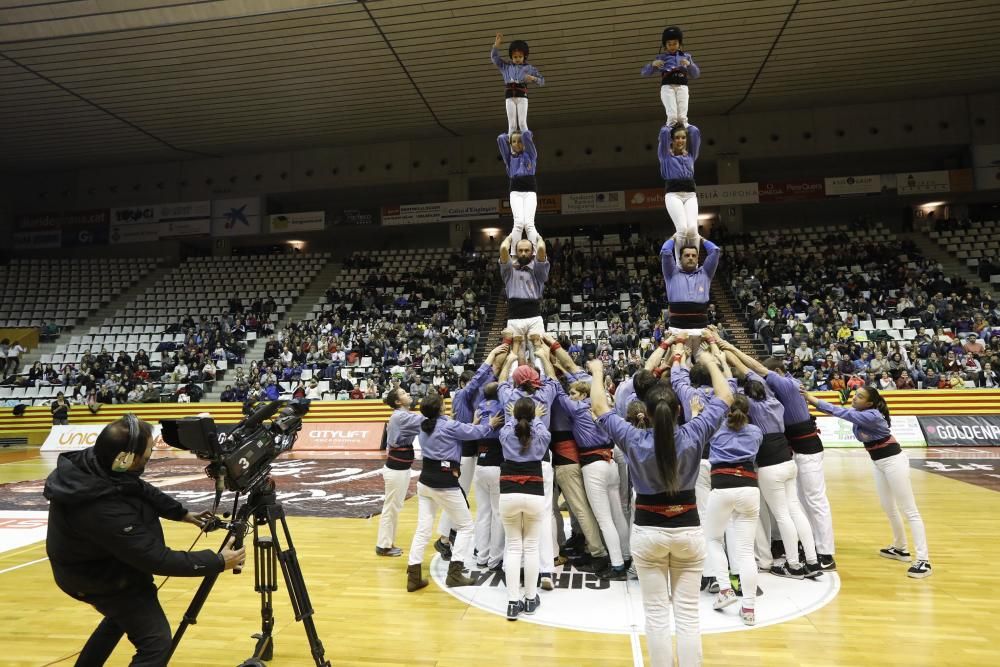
[517, 113]
[570, 481]
[669, 563]
[527, 326]
[624, 484]
[396, 484]
[675, 99]
[523, 206]
[895, 493]
[522, 523]
[812, 494]
[548, 546]
[683, 210]
[600, 479]
[455, 506]
[742, 505]
[780, 492]
[467, 471]
[489, 525]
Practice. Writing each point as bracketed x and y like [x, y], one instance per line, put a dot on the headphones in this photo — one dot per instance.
[125, 459]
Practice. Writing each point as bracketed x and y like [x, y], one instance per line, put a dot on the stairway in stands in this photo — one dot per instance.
[496, 320]
[732, 318]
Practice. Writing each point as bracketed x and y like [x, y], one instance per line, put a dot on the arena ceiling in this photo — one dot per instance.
[117, 81]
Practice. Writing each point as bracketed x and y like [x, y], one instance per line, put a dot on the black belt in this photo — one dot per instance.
[523, 183]
[516, 89]
[688, 315]
[803, 437]
[522, 309]
[664, 510]
[679, 185]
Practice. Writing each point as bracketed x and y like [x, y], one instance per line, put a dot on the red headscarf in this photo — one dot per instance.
[525, 374]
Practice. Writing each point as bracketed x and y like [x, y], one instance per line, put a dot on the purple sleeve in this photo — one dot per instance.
[505, 269]
[539, 432]
[663, 149]
[712, 261]
[529, 146]
[694, 141]
[533, 71]
[693, 70]
[860, 417]
[701, 428]
[648, 69]
[471, 431]
[503, 143]
[564, 401]
[483, 375]
[616, 427]
[667, 264]
[541, 270]
[752, 375]
[497, 60]
[504, 391]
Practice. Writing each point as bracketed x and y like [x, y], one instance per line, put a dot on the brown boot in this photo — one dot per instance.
[456, 576]
[413, 580]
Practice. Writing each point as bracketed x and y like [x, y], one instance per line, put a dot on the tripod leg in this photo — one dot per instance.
[265, 583]
[295, 582]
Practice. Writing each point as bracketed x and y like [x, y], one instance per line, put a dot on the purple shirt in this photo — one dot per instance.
[464, 401]
[403, 427]
[513, 73]
[680, 380]
[545, 395]
[624, 394]
[525, 162]
[489, 408]
[527, 282]
[672, 61]
[787, 391]
[540, 439]
[561, 420]
[586, 432]
[729, 446]
[445, 442]
[768, 414]
[678, 167]
[689, 440]
[869, 425]
[682, 286]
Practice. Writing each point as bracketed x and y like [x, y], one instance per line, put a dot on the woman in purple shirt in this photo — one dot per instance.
[870, 416]
[667, 542]
[399, 434]
[678, 150]
[441, 443]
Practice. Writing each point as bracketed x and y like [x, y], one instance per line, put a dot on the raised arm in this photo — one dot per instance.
[744, 361]
[712, 261]
[511, 357]
[561, 357]
[719, 383]
[542, 255]
[543, 353]
[503, 143]
[667, 264]
[505, 252]
[694, 141]
[663, 147]
[529, 145]
[598, 396]
[495, 52]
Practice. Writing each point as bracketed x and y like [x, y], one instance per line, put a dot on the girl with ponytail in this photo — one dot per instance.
[735, 496]
[668, 546]
[870, 416]
[400, 433]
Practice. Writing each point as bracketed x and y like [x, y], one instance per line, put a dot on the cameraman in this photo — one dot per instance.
[105, 542]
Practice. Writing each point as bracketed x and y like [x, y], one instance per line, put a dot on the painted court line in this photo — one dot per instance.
[18, 567]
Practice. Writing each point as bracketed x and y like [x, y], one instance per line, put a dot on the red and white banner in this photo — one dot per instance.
[339, 436]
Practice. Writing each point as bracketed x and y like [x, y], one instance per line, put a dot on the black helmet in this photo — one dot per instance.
[518, 45]
[673, 32]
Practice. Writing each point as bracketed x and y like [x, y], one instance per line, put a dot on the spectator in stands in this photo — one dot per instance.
[313, 392]
[14, 351]
[885, 382]
[228, 394]
[904, 381]
[418, 389]
[804, 353]
[988, 378]
[271, 391]
[60, 410]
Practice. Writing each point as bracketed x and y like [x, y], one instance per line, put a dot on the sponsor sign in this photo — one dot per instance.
[480, 209]
[644, 199]
[60, 219]
[771, 191]
[84, 235]
[921, 182]
[356, 216]
[838, 432]
[297, 222]
[593, 202]
[411, 214]
[342, 436]
[19, 528]
[145, 232]
[986, 157]
[235, 217]
[853, 185]
[68, 438]
[146, 223]
[49, 238]
[961, 430]
[546, 204]
[730, 194]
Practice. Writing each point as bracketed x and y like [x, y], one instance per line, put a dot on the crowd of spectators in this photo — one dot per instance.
[819, 299]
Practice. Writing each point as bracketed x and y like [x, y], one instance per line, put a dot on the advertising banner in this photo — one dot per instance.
[921, 182]
[480, 209]
[341, 436]
[837, 432]
[308, 221]
[84, 235]
[411, 214]
[730, 194]
[853, 185]
[547, 204]
[593, 202]
[132, 232]
[69, 438]
[647, 198]
[356, 216]
[807, 188]
[46, 238]
[60, 219]
[151, 222]
[961, 430]
[236, 217]
[986, 157]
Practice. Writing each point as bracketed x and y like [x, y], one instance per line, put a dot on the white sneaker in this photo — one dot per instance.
[724, 599]
[546, 583]
[748, 616]
[919, 570]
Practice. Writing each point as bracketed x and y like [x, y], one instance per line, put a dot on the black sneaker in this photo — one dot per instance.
[799, 572]
[813, 570]
[919, 570]
[895, 554]
[705, 582]
[787, 572]
[594, 565]
[826, 562]
[619, 573]
[391, 552]
[513, 609]
[443, 549]
[531, 606]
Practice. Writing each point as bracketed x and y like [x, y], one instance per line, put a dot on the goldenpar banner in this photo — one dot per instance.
[838, 433]
[308, 221]
[961, 430]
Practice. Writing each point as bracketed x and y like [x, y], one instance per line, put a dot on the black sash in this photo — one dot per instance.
[679, 185]
[733, 474]
[803, 437]
[883, 449]
[399, 458]
[688, 315]
[517, 89]
[522, 477]
[522, 309]
[524, 183]
[440, 474]
[773, 450]
[664, 510]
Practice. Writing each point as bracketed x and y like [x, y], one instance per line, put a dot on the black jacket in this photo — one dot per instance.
[104, 532]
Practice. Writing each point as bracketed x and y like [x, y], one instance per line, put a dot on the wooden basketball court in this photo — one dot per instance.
[366, 618]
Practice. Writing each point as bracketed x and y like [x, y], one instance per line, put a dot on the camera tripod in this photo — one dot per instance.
[263, 509]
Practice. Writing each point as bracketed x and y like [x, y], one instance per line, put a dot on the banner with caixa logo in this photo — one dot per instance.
[961, 430]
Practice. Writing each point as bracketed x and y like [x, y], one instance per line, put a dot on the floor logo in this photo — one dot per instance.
[583, 601]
